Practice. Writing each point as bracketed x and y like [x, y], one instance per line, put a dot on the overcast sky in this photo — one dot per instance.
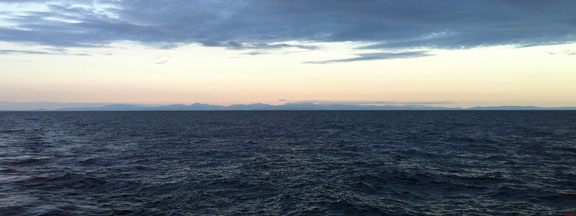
[464, 52]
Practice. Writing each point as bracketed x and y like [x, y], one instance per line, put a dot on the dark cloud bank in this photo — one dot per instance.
[398, 27]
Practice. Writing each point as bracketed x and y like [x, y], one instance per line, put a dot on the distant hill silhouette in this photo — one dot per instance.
[255, 106]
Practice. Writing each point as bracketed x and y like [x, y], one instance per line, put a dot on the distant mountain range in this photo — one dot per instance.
[5, 106]
[256, 106]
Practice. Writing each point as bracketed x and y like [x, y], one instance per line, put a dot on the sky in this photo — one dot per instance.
[453, 53]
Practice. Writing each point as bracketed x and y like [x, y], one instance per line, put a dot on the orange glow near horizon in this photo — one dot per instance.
[539, 76]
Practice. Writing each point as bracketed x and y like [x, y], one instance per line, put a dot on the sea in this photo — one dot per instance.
[288, 163]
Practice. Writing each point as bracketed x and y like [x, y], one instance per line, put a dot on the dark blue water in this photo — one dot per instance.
[288, 163]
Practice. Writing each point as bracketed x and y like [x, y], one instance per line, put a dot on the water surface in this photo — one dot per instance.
[288, 163]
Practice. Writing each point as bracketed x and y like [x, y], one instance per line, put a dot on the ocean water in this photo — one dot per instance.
[288, 163]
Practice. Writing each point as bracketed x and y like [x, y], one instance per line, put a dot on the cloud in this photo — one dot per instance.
[565, 52]
[374, 56]
[6, 52]
[268, 24]
[30, 52]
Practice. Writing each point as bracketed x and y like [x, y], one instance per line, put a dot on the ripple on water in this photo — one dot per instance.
[287, 163]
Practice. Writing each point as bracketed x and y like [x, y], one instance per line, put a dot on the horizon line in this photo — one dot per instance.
[289, 106]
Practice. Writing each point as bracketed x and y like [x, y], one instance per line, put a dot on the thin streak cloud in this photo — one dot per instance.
[30, 52]
[374, 56]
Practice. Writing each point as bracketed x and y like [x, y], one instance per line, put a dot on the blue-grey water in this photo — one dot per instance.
[288, 163]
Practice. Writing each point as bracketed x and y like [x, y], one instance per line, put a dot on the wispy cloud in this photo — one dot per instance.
[256, 53]
[6, 52]
[31, 52]
[374, 56]
[565, 52]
